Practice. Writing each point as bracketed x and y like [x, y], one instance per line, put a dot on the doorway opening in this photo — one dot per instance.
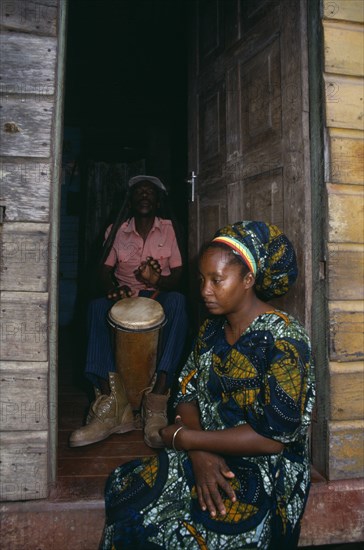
[125, 113]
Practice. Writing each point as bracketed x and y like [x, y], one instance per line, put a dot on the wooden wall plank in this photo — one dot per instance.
[346, 213]
[23, 400]
[343, 48]
[36, 16]
[344, 102]
[23, 326]
[346, 449]
[345, 271]
[346, 391]
[346, 330]
[25, 252]
[25, 189]
[25, 126]
[27, 64]
[344, 10]
[344, 173]
[346, 156]
[23, 465]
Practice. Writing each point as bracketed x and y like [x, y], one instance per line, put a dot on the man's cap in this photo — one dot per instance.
[156, 181]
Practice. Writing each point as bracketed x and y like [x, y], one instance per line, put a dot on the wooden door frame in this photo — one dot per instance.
[53, 271]
[319, 311]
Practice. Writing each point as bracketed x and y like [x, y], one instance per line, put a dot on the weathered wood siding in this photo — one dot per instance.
[343, 31]
[28, 42]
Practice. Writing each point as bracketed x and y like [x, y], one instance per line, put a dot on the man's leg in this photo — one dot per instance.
[100, 355]
[110, 412]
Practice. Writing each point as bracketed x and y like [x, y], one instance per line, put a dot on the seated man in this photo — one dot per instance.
[141, 257]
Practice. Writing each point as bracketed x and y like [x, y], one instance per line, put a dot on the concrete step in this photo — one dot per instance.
[334, 515]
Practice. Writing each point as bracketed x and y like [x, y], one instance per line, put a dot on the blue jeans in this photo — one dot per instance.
[100, 356]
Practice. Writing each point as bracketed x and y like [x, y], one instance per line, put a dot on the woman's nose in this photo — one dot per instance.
[205, 289]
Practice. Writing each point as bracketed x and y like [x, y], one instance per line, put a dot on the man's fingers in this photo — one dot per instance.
[154, 264]
[119, 293]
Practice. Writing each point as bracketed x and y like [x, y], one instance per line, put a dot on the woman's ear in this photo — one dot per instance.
[249, 280]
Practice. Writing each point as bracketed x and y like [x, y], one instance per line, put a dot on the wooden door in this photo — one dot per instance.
[248, 123]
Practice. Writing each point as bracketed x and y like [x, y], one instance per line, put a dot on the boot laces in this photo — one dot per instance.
[151, 413]
[102, 405]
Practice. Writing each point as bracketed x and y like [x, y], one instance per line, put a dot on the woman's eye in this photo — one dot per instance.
[216, 281]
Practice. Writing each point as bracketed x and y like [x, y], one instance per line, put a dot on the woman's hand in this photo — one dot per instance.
[119, 292]
[211, 478]
[149, 272]
[210, 470]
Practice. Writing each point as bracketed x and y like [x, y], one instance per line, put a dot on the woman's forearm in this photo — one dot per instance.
[190, 415]
[242, 440]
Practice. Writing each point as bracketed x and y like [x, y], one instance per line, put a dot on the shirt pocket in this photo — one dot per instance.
[162, 251]
[128, 252]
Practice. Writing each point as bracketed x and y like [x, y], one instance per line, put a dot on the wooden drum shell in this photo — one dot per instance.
[136, 324]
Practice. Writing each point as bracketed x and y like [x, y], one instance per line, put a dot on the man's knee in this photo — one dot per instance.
[99, 304]
[174, 301]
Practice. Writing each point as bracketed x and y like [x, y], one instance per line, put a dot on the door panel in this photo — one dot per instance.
[261, 108]
[245, 122]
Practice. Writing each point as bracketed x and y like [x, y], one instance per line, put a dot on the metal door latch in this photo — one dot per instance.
[192, 181]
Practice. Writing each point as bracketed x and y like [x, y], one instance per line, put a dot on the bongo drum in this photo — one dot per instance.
[136, 322]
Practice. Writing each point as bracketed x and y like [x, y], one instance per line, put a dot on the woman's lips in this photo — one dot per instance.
[210, 305]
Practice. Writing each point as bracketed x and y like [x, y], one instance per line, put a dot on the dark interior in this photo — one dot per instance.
[126, 106]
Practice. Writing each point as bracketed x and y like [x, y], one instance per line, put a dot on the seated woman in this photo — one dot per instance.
[236, 470]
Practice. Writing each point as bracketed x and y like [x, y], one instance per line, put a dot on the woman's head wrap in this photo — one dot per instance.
[266, 251]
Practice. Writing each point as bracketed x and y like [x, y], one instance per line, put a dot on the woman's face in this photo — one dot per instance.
[222, 286]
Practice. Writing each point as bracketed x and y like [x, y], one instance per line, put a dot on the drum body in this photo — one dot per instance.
[136, 325]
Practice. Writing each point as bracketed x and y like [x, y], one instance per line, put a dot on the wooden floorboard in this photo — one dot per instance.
[82, 471]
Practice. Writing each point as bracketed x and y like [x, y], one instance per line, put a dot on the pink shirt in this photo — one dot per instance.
[129, 250]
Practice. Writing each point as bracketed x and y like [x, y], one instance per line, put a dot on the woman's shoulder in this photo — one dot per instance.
[283, 325]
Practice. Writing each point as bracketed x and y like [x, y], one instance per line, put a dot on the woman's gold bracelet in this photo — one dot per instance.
[174, 437]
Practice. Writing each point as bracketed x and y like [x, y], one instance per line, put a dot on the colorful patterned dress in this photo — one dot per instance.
[265, 379]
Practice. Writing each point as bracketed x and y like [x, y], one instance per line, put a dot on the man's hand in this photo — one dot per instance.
[149, 272]
[119, 292]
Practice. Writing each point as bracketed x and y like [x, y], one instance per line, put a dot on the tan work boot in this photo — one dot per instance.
[91, 414]
[109, 414]
[154, 414]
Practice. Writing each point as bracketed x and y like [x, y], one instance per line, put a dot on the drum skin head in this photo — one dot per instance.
[136, 314]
